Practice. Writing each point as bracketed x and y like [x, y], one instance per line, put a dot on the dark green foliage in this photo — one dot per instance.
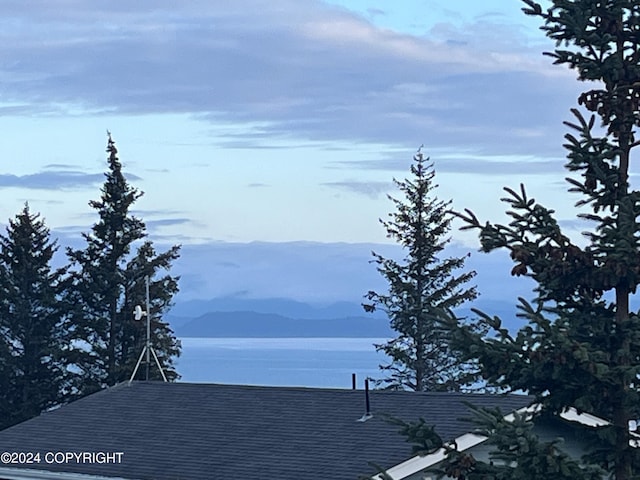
[422, 290]
[33, 375]
[516, 454]
[420, 434]
[161, 291]
[581, 347]
[109, 281]
[515, 451]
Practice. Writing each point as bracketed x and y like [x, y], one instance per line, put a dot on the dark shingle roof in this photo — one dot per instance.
[182, 431]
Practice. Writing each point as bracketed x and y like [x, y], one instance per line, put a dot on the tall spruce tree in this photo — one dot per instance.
[581, 347]
[109, 280]
[421, 287]
[33, 373]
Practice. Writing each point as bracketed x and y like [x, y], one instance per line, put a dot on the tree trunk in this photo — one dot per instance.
[621, 415]
[111, 374]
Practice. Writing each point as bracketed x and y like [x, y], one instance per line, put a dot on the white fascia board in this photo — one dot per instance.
[572, 415]
[420, 462]
[33, 474]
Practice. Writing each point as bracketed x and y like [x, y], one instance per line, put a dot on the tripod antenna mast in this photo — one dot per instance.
[138, 313]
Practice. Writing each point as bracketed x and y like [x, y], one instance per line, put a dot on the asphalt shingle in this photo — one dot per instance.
[182, 431]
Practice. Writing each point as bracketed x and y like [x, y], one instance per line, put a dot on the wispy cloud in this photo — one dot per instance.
[166, 222]
[304, 70]
[446, 162]
[369, 189]
[60, 167]
[52, 180]
[145, 213]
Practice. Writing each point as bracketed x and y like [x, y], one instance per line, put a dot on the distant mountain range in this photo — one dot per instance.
[277, 317]
[280, 306]
[258, 325]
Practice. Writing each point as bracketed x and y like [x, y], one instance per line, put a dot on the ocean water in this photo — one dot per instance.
[307, 362]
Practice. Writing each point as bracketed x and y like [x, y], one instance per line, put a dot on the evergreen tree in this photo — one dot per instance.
[109, 280]
[581, 347]
[33, 373]
[421, 288]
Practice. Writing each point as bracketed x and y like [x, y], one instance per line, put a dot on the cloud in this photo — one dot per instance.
[447, 162]
[166, 222]
[53, 180]
[513, 166]
[60, 166]
[304, 70]
[144, 213]
[368, 189]
[156, 222]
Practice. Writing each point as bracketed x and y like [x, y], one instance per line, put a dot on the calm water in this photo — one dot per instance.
[309, 362]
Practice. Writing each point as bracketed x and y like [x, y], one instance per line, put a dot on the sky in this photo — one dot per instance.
[277, 121]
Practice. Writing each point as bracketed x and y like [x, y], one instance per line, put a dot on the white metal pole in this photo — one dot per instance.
[148, 326]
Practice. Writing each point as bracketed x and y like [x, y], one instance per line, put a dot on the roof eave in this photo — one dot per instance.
[9, 473]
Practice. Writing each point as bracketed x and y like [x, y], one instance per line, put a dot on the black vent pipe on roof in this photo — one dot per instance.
[368, 413]
[366, 396]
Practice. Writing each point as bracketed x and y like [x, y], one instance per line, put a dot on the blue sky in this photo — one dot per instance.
[263, 121]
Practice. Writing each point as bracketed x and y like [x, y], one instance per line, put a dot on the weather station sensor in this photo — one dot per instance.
[148, 350]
